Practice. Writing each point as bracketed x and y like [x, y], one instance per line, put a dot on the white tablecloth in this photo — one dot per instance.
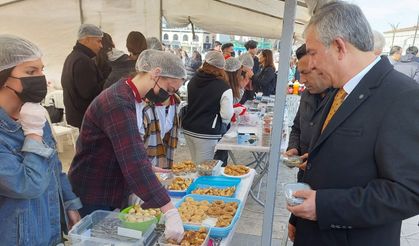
[242, 193]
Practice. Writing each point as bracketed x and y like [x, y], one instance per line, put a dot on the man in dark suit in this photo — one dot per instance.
[363, 164]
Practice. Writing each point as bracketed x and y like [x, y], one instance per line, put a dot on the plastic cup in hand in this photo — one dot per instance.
[289, 190]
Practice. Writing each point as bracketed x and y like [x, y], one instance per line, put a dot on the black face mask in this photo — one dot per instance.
[160, 97]
[34, 89]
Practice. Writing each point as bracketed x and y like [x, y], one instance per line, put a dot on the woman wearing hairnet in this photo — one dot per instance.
[33, 187]
[111, 161]
[210, 107]
[236, 78]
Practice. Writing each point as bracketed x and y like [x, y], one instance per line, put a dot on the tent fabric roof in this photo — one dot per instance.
[257, 18]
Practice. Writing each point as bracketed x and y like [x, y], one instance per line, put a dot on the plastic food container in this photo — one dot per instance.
[289, 190]
[178, 193]
[205, 168]
[292, 161]
[215, 231]
[104, 228]
[163, 242]
[140, 226]
[214, 182]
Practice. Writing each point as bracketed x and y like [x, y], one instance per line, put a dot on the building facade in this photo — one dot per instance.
[403, 37]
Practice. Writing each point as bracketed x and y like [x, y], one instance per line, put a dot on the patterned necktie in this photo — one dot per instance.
[337, 101]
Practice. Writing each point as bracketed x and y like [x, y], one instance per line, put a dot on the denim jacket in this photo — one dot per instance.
[31, 186]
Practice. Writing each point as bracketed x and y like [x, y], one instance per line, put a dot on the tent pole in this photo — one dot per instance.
[160, 21]
[279, 108]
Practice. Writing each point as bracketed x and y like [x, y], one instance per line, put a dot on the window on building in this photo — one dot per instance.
[185, 38]
[207, 39]
[196, 38]
[166, 36]
[175, 37]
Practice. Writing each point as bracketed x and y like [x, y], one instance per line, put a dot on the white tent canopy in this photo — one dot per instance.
[53, 24]
[256, 18]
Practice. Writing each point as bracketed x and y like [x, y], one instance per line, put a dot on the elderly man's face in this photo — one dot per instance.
[321, 58]
[314, 82]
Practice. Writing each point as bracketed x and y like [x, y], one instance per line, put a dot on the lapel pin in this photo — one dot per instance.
[361, 96]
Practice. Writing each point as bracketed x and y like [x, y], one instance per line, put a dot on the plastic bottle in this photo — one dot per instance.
[296, 87]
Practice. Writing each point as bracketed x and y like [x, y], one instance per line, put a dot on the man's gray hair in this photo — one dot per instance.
[379, 41]
[344, 20]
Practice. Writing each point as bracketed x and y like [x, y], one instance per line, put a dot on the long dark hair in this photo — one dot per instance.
[102, 59]
[234, 82]
[4, 75]
[217, 72]
[136, 43]
[269, 60]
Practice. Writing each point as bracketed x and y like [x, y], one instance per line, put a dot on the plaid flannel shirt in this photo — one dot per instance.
[111, 161]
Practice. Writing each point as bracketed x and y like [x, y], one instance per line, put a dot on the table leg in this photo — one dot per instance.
[263, 165]
[233, 158]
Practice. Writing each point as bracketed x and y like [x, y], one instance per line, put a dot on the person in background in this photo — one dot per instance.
[35, 192]
[379, 42]
[312, 102]
[123, 65]
[395, 54]
[227, 49]
[210, 108]
[102, 60]
[362, 165]
[193, 63]
[154, 43]
[236, 75]
[252, 48]
[265, 80]
[247, 65]
[111, 160]
[217, 46]
[136, 43]
[81, 79]
[407, 64]
[293, 69]
[236, 78]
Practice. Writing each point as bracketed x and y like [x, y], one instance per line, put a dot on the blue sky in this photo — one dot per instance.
[382, 12]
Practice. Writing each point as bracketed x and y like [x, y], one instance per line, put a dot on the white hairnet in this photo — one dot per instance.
[170, 64]
[89, 30]
[154, 43]
[247, 60]
[15, 50]
[232, 64]
[215, 58]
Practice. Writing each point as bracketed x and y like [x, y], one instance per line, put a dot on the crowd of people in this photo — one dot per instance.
[354, 129]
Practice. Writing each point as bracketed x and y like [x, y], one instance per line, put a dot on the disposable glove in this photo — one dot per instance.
[33, 118]
[174, 226]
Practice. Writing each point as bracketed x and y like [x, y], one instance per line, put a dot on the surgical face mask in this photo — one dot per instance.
[34, 89]
[160, 97]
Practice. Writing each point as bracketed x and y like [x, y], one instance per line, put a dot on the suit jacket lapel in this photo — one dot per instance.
[358, 96]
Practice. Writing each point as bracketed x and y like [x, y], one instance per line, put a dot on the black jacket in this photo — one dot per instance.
[364, 166]
[121, 68]
[305, 122]
[81, 82]
[265, 81]
[203, 114]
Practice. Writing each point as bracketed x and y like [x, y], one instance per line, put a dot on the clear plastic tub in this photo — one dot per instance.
[101, 229]
[289, 190]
